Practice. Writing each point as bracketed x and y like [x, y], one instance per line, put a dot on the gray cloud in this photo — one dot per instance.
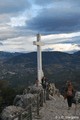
[1, 44]
[12, 6]
[44, 16]
[8, 32]
[78, 45]
[60, 2]
[43, 2]
[15, 34]
[72, 40]
[75, 40]
[61, 18]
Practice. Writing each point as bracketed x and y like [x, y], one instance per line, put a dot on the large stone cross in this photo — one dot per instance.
[38, 43]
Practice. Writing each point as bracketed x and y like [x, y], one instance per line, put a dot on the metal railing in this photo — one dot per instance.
[28, 113]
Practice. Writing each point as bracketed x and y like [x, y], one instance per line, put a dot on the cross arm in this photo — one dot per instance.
[38, 43]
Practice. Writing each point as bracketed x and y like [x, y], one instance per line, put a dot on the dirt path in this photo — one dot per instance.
[56, 109]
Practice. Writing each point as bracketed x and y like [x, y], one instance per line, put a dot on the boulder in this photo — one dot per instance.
[34, 89]
[23, 100]
[10, 112]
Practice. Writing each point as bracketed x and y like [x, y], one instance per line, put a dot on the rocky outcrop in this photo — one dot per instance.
[21, 102]
[10, 111]
[77, 96]
[53, 90]
[29, 95]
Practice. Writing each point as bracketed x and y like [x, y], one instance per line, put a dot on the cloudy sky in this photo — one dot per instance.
[58, 22]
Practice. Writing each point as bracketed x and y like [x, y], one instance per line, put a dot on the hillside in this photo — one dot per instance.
[20, 69]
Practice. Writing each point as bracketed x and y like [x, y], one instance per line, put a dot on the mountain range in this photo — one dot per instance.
[20, 69]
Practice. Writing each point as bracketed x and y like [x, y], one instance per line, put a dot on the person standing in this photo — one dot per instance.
[69, 94]
[44, 82]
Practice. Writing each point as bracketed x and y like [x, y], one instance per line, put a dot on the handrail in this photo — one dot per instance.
[28, 109]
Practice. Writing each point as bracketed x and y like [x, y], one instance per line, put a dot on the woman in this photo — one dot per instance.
[69, 94]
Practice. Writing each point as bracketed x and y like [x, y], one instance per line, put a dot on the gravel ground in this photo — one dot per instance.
[56, 109]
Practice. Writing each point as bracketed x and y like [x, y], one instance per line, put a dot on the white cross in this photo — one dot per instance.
[38, 43]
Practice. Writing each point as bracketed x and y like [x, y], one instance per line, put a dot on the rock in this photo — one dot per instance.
[10, 111]
[77, 96]
[53, 90]
[34, 89]
[23, 100]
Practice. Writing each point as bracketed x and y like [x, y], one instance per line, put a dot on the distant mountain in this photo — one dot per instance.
[21, 69]
[25, 58]
[5, 55]
[77, 53]
[47, 58]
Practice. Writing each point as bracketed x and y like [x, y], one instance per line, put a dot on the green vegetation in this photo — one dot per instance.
[7, 94]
